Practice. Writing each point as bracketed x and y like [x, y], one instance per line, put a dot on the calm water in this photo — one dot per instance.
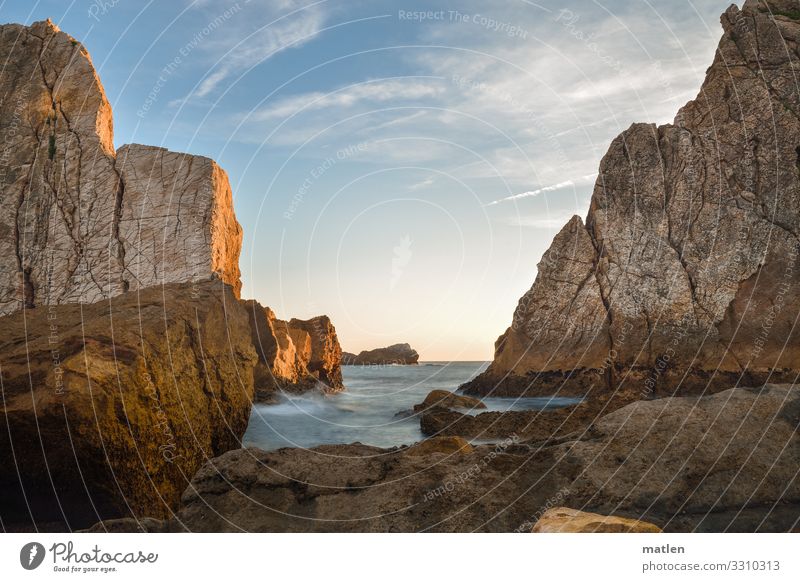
[366, 411]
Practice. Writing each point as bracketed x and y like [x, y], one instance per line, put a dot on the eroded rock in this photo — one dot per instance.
[79, 223]
[290, 358]
[685, 277]
[567, 520]
[110, 408]
[726, 462]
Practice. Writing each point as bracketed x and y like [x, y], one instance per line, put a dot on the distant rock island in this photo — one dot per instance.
[402, 354]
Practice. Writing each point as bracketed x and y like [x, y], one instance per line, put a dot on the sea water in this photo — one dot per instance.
[367, 411]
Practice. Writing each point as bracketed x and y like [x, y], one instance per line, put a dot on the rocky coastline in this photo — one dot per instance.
[130, 363]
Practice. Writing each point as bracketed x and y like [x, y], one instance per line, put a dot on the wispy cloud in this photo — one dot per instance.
[372, 91]
[551, 222]
[242, 50]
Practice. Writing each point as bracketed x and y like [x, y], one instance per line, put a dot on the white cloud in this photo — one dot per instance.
[242, 49]
[373, 91]
[551, 222]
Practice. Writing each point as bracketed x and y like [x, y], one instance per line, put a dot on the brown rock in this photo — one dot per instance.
[290, 359]
[566, 520]
[448, 445]
[447, 400]
[177, 221]
[326, 353]
[110, 408]
[685, 277]
[726, 462]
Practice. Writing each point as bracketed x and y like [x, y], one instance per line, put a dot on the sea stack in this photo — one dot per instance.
[685, 277]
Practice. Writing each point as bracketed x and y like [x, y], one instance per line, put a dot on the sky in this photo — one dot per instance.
[399, 166]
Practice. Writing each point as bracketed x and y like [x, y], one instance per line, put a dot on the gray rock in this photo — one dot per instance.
[685, 276]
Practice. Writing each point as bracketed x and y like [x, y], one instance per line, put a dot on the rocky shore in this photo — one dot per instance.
[726, 462]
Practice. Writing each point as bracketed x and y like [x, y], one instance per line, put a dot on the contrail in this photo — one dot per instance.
[532, 193]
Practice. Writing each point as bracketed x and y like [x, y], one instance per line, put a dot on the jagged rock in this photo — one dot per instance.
[567, 520]
[445, 399]
[685, 276]
[726, 462]
[77, 222]
[290, 359]
[326, 353]
[402, 354]
[110, 408]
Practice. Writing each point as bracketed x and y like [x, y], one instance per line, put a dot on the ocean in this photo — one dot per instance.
[367, 412]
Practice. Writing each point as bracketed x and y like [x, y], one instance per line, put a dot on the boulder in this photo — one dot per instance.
[397, 354]
[684, 278]
[566, 520]
[447, 400]
[110, 408]
[325, 363]
[80, 222]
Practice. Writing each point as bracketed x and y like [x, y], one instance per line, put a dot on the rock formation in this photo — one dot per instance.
[112, 399]
[402, 354]
[293, 356]
[726, 462]
[447, 400]
[110, 408]
[326, 353]
[80, 222]
[566, 520]
[685, 276]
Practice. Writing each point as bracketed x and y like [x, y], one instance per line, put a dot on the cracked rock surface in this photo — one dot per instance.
[80, 222]
[685, 276]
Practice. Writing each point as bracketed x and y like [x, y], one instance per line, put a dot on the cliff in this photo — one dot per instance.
[294, 356]
[126, 358]
[80, 222]
[685, 275]
[395, 354]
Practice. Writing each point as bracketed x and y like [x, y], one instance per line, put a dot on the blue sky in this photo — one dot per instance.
[399, 166]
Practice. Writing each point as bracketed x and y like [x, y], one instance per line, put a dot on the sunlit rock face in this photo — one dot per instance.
[80, 222]
[685, 276]
[293, 356]
[126, 357]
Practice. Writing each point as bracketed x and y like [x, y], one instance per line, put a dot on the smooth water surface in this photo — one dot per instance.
[367, 411]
